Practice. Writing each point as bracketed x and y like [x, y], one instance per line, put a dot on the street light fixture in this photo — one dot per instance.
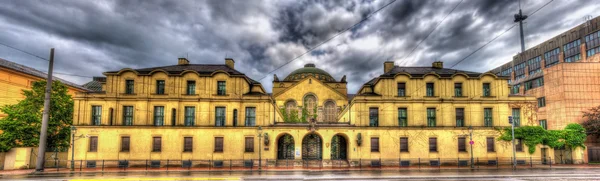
[260, 131]
[471, 143]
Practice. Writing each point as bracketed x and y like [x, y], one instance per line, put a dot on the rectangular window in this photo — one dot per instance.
[221, 88]
[551, 57]
[96, 115]
[538, 82]
[160, 87]
[433, 145]
[373, 117]
[249, 144]
[490, 144]
[250, 116]
[402, 117]
[218, 144]
[462, 144]
[431, 121]
[93, 143]
[190, 116]
[458, 90]
[404, 144]
[159, 115]
[592, 43]
[235, 117]
[401, 89]
[506, 72]
[191, 87]
[374, 144]
[127, 115]
[129, 87]
[487, 117]
[430, 91]
[519, 145]
[541, 102]
[572, 52]
[515, 89]
[460, 117]
[156, 144]
[188, 144]
[516, 113]
[534, 65]
[544, 124]
[125, 144]
[520, 71]
[219, 116]
[486, 90]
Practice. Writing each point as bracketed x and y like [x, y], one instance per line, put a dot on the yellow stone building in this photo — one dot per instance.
[214, 112]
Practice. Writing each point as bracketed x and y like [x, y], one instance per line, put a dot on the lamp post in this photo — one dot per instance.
[259, 147]
[73, 131]
[512, 126]
[471, 143]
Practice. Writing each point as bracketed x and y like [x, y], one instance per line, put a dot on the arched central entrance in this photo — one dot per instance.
[338, 148]
[312, 147]
[285, 147]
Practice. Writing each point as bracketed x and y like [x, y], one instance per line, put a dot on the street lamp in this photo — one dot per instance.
[471, 143]
[73, 131]
[259, 147]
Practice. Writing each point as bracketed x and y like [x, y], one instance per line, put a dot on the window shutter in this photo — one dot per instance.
[93, 144]
[462, 144]
[490, 144]
[249, 144]
[403, 144]
[433, 144]
[156, 146]
[219, 144]
[188, 142]
[374, 144]
[125, 144]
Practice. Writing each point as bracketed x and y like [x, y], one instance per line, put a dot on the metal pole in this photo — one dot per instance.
[259, 152]
[512, 125]
[39, 167]
[470, 140]
[73, 152]
[521, 30]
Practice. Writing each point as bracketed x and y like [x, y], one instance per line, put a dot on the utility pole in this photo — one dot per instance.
[512, 128]
[39, 167]
[520, 18]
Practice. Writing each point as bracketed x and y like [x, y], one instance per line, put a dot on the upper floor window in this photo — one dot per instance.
[534, 65]
[221, 88]
[486, 90]
[433, 145]
[190, 116]
[374, 116]
[541, 102]
[127, 115]
[290, 107]
[129, 87]
[515, 89]
[220, 116]
[330, 111]
[592, 43]
[544, 124]
[96, 115]
[235, 117]
[310, 103]
[506, 72]
[250, 116]
[402, 117]
[458, 90]
[551, 57]
[572, 53]
[159, 115]
[520, 71]
[431, 122]
[401, 89]
[173, 117]
[487, 117]
[460, 117]
[516, 114]
[430, 92]
[160, 87]
[538, 82]
[191, 87]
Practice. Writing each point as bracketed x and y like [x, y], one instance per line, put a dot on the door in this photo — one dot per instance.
[285, 147]
[312, 147]
[338, 148]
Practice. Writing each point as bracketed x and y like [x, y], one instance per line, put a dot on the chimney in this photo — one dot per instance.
[437, 64]
[183, 61]
[387, 66]
[230, 63]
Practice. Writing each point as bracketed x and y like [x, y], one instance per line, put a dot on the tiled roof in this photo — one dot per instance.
[33, 72]
[94, 86]
[202, 69]
[421, 71]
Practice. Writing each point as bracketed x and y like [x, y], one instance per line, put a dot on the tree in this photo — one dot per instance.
[592, 121]
[21, 128]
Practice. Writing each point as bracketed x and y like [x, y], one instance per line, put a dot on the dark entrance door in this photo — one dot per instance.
[544, 155]
[312, 147]
[338, 148]
[594, 155]
[285, 147]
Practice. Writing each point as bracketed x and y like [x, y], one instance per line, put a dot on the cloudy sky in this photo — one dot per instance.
[95, 36]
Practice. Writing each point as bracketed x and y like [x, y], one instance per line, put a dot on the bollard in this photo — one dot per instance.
[80, 163]
[419, 163]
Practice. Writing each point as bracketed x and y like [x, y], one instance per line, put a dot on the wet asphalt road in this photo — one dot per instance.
[521, 174]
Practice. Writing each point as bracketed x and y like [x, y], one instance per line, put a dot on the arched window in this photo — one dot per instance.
[290, 106]
[310, 102]
[330, 111]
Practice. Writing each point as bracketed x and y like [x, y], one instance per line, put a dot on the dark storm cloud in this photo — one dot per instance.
[96, 36]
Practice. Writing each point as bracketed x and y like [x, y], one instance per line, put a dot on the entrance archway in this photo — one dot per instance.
[285, 147]
[312, 147]
[339, 148]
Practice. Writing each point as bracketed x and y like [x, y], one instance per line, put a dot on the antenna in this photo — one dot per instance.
[587, 19]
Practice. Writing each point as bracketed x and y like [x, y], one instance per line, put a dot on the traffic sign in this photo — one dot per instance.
[510, 119]
[471, 142]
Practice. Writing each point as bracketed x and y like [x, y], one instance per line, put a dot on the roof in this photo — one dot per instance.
[95, 86]
[36, 73]
[202, 69]
[422, 71]
[309, 69]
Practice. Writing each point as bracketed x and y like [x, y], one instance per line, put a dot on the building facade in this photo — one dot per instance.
[563, 73]
[214, 112]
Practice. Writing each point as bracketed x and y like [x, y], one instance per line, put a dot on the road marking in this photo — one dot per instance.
[156, 179]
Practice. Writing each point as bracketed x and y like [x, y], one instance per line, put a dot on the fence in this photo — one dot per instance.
[270, 164]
